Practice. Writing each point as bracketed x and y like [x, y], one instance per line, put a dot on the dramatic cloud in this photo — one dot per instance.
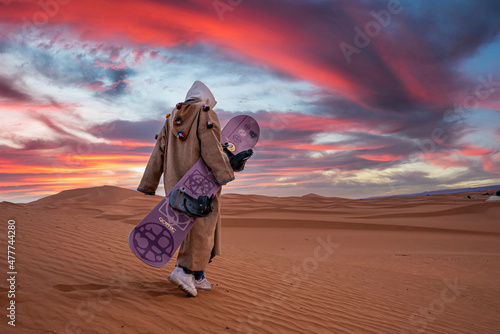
[8, 91]
[377, 97]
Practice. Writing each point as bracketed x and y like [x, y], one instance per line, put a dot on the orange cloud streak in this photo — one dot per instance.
[165, 24]
[380, 157]
[472, 151]
[317, 147]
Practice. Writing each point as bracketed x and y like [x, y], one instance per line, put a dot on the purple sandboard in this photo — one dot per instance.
[156, 238]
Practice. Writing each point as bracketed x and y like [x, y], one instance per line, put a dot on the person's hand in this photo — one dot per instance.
[237, 161]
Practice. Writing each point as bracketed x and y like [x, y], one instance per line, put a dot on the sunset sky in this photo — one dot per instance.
[354, 98]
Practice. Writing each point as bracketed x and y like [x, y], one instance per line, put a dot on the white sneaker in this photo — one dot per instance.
[203, 284]
[184, 281]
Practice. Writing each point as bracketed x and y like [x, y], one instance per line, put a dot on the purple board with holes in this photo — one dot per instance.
[156, 238]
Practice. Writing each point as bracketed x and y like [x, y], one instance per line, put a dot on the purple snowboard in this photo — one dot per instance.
[156, 238]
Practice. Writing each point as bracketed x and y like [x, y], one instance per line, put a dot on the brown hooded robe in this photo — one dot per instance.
[173, 157]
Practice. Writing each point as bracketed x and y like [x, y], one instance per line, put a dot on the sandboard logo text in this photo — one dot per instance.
[170, 227]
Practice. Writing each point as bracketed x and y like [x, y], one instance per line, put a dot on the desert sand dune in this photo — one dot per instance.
[309, 264]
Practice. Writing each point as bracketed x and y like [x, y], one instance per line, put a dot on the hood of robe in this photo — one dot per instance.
[201, 92]
[182, 119]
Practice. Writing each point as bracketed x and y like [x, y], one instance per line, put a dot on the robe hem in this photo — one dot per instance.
[145, 191]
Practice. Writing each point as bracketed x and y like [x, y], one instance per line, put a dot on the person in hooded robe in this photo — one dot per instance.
[189, 133]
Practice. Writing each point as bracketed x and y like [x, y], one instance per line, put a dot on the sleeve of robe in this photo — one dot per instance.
[154, 169]
[211, 149]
